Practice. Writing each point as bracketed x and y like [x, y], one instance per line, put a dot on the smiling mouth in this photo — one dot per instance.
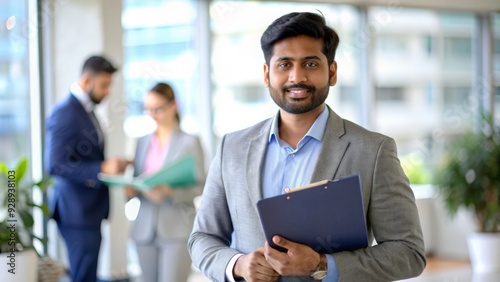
[297, 93]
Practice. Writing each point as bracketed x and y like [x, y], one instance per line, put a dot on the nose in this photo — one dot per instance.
[297, 75]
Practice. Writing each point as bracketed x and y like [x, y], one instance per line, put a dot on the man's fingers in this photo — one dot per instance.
[282, 242]
[255, 267]
[266, 273]
[299, 260]
[272, 253]
[261, 260]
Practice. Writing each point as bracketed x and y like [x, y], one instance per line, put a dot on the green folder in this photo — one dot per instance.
[178, 175]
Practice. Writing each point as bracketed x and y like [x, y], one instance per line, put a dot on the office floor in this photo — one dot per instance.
[445, 270]
[437, 270]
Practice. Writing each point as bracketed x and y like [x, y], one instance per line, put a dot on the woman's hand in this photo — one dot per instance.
[159, 193]
[130, 192]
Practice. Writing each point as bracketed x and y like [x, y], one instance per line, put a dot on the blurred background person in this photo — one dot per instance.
[74, 156]
[165, 217]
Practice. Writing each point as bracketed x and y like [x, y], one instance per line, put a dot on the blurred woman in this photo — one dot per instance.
[166, 215]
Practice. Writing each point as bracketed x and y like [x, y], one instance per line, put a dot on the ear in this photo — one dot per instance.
[332, 73]
[266, 74]
[85, 81]
[173, 104]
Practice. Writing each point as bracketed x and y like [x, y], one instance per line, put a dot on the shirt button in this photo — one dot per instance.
[292, 155]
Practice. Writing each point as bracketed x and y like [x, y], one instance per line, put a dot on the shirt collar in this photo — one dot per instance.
[82, 96]
[317, 130]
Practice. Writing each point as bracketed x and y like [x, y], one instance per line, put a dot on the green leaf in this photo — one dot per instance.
[21, 169]
[43, 208]
[4, 170]
[42, 240]
[27, 218]
[44, 184]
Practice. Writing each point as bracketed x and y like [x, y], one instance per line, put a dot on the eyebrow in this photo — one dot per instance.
[302, 59]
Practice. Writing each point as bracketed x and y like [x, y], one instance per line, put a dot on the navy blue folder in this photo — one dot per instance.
[328, 218]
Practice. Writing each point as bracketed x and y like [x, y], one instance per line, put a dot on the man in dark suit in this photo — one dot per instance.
[74, 156]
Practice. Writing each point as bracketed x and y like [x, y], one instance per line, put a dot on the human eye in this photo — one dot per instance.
[283, 65]
[311, 64]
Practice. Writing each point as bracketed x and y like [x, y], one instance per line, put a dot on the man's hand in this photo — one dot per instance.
[114, 166]
[300, 260]
[254, 267]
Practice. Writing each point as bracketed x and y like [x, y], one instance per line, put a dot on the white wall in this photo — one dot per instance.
[75, 33]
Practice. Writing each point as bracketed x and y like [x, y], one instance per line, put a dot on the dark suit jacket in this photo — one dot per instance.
[73, 157]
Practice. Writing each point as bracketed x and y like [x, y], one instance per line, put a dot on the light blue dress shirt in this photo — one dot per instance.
[285, 167]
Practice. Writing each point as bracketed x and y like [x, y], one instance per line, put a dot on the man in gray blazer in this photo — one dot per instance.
[305, 142]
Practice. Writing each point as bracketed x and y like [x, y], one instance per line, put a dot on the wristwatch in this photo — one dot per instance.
[321, 271]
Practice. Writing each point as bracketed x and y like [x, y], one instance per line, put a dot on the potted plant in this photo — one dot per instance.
[470, 178]
[16, 223]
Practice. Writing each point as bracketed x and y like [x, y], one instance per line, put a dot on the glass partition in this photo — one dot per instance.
[14, 81]
[159, 38]
[423, 76]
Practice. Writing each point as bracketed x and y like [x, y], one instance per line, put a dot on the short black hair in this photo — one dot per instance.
[295, 24]
[98, 64]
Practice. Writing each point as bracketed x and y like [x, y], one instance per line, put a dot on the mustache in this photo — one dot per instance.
[299, 85]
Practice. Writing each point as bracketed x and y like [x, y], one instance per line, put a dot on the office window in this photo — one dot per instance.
[454, 96]
[456, 36]
[457, 52]
[422, 73]
[240, 98]
[159, 43]
[14, 81]
[389, 94]
[347, 95]
[422, 94]
[396, 45]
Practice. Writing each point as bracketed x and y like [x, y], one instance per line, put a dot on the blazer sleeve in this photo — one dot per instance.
[209, 241]
[393, 216]
[68, 154]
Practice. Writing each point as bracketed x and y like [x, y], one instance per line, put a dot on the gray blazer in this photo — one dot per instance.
[173, 219]
[233, 188]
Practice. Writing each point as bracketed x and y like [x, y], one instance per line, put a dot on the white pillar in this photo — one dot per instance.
[113, 255]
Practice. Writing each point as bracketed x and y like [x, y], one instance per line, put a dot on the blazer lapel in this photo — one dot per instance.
[142, 149]
[254, 162]
[332, 150]
[93, 127]
[173, 147]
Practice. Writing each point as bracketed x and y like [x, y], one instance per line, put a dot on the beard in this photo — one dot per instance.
[93, 97]
[299, 105]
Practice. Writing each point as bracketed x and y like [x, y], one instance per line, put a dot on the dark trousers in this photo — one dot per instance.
[83, 245]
